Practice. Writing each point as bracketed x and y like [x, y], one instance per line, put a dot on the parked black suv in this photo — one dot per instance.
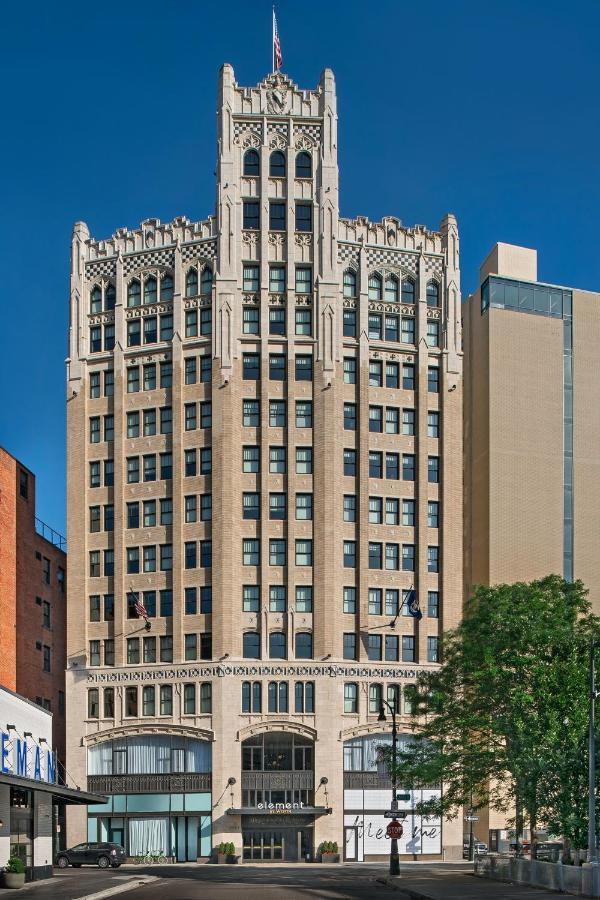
[103, 855]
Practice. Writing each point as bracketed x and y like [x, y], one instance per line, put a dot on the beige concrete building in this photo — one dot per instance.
[265, 449]
[531, 430]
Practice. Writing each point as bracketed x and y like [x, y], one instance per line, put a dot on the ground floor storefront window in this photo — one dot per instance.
[277, 841]
[21, 827]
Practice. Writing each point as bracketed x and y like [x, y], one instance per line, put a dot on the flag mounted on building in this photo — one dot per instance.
[412, 602]
[277, 55]
[140, 609]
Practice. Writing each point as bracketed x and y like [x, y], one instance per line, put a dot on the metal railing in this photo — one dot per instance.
[49, 534]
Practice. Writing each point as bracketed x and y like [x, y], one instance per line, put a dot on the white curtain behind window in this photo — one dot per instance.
[197, 756]
[100, 759]
[148, 836]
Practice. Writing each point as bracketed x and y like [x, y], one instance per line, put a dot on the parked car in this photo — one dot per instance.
[549, 850]
[103, 855]
[479, 848]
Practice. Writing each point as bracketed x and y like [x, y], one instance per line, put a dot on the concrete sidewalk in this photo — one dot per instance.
[448, 885]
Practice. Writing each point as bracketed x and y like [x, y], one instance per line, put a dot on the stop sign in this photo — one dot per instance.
[394, 829]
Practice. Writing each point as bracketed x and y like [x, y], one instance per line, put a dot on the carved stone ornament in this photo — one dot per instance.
[277, 240]
[303, 240]
[250, 238]
[248, 139]
[303, 142]
[277, 142]
[278, 100]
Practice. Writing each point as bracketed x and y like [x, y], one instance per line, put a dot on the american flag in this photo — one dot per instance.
[277, 56]
[140, 609]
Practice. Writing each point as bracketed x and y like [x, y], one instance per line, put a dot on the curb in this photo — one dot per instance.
[129, 885]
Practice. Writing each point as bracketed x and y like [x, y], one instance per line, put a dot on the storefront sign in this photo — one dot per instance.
[24, 760]
[279, 807]
[251, 671]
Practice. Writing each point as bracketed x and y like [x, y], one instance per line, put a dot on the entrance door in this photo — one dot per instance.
[263, 845]
[350, 843]
[305, 845]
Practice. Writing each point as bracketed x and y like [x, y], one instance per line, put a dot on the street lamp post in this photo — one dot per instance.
[394, 856]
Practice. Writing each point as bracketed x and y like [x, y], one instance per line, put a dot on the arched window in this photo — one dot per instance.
[134, 293]
[375, 698]
[251, 645]
[206, 281]
[277, 164]
[96, 300]
[374, 287]
[433, 294]
[166, 287]
[277, 645]
[349, 283]
[191, 283]
[408, 291]
[251, 163]
[391, 289]
[304, 165]
[110, 296]
[304, 645]
[150, 290]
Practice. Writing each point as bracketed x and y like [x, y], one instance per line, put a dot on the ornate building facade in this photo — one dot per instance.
[265, 450]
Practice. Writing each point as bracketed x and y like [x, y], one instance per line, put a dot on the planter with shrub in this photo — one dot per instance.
[226, 852]
[13, 875]
[329, 852]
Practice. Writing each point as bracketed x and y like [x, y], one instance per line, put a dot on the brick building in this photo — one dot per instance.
[265, 449]
[33, 600]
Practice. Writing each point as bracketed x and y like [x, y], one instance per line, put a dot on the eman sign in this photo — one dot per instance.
[24, 760]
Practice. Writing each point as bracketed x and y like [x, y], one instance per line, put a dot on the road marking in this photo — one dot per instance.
[120, 888]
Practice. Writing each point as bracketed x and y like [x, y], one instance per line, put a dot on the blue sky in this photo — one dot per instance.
[108, 111]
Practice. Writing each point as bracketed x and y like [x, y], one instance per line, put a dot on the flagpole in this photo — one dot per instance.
[273, 39]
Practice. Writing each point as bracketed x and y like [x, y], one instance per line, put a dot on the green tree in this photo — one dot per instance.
[504, 720]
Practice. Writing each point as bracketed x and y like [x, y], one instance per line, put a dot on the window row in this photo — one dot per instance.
[389, 602]
[303, 279]
[144, 377]
[277, 367]
[277, 460]
[391, 327]
[277, 164]
[395, 465]
[393, 695]
[389, 647]
[390, 288]
[196, 462]
[277, 506]
[102, 652]
[197, 415]
[277, 552]
[149, 470]
[277, 598]
[102, 297]
[394, 423]
[277, 645]
[277, 321]
[195, 699]
[151, 288]
[392, 375]
[303, 215]
[155, 328]
[278, 700]
[146, 422]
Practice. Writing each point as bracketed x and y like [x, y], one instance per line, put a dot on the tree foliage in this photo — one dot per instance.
[504, 720]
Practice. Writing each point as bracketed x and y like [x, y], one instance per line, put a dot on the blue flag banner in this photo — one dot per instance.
[412, 601]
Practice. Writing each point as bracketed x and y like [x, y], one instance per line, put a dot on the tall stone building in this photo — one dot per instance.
[265, 450]
[531, 433]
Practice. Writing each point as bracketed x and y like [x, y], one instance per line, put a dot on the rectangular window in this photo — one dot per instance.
[350, 697]
[95, 339]
[391, 375]
[190, 367]
[166, 466]
[375, 326]
[276, 552]
[433, 424]
[250, 506]
[277, 367]
[408, 467]
[191, 646]
[375, 464]
[304, 368]
[408, 330]
[349, 640]
[166, 603]
[277, 462]
[150, 377]
[392, 646]
[149, 422]
[94, 563]
[433, 380]
[251, 320]
[94, 385]
[391, 328]
[277, 416]
[375, 555]
[433, 333]
[349, 513]
[303, 216]
[166, 699]
[304, 598]
[277, 506]
[251, 552]
[251, 366]
[408, 377]
[94, 519]
[432, 649]
[277, 320]
[276, 215]
[134, 333]
[433, 559]
[94, 655]
[408, 648]
[349, 462]
[94, 474]
[205, 554]
[375, 602]
[303, 322]
[350, 416]
[303, 413]
[191, 323]
[189, 464]
[433, 469]
[375, 510]
[304, 553]
[304, 506]
[350, 600]
[374, 649]
[375, 373]
[251, 598]
[206, 414]
[250, 459]
[349, 554]
[150, 330]
[166, 327]
[408, 557]
[190, 418]
[303, 280]
[433, 604]
[391, 511]
[94, 429]
[133, 651]
[376, 419]
[166, 419]
[408, 512]
[349, 370]
[392, 420]
[95, 608]
[304, 460]
[251, 413]
[391, 557]
[408, 422]
[251, 219]
[148, 701]
[149, 513]
[277, 599]
[349, 323]
[433, 514]
[391, 602]
[277, 279]
[133, 469]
